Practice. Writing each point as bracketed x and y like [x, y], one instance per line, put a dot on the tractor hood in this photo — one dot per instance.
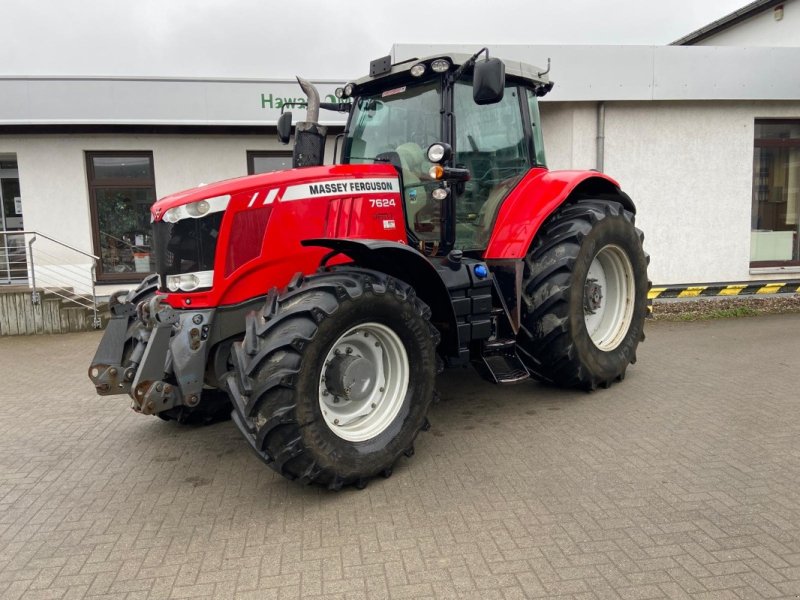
[215, 243]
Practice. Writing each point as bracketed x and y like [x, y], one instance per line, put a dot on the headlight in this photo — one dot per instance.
[339, 92]
[438, 152]
[198, 209]
[440, 65]
[439, 193]
[348, 90]
[417, 70]
[188, 282]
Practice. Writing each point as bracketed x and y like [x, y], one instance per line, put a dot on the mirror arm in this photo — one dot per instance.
[471, 61]
[342, 107]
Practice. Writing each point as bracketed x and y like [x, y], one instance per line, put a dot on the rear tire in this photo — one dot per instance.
[584, 296]
[341, 369]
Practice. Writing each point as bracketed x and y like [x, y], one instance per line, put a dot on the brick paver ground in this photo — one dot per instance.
[682, 482]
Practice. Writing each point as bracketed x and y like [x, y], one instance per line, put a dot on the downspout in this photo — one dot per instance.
[601, 135]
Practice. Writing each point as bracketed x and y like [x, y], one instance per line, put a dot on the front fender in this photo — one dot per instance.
[536, 197]
[407, 264]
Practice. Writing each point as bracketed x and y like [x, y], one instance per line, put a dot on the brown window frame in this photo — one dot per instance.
[93, 184]
[775, 143]
[253, 154]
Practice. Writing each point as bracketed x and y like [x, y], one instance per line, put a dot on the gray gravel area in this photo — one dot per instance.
[720, 307]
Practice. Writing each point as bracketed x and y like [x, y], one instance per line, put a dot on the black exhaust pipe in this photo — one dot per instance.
[309, 135]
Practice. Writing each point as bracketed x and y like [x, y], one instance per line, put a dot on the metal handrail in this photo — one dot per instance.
[60, 243]
[35, 296]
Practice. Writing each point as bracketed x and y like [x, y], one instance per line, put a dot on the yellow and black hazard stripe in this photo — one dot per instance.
[752, 288]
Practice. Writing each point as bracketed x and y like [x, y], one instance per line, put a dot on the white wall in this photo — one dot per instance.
[687, 165]
[689, 168]
[570, 130]
[762, 30]
[54, 185]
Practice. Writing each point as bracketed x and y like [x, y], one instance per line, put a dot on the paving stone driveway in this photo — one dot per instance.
[684, 481]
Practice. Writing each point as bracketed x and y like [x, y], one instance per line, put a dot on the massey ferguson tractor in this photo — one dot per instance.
[317, 305]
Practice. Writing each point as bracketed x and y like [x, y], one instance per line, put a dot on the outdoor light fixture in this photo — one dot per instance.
[440, 65]
[418, 70]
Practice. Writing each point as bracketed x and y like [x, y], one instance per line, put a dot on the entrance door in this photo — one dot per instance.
[13, 266]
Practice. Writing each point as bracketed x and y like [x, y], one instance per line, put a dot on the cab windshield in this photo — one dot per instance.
[402, 121]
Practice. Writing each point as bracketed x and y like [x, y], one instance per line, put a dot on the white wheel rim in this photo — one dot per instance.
[364, 381]
[608, 297]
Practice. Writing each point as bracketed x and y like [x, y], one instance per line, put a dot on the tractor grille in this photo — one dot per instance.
[187, 246]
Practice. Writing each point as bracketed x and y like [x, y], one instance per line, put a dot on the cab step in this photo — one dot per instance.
[500, 363]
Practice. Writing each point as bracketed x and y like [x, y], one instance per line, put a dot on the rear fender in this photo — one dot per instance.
[536, 197]
[408, 265]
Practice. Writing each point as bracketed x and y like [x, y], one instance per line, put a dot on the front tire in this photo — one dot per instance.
[341, 370]
[584, 296]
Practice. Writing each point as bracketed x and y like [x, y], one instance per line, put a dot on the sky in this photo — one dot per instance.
[336, 39]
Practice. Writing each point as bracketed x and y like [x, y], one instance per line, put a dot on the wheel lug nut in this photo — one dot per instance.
[377, 345]
[373, 405]
[324, 392]
[336, 399]
[336, 421]
[366, 334]
[349, 350]
[337, 351]
[383, 389]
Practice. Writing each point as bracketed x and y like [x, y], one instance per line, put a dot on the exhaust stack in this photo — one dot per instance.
[309, 135]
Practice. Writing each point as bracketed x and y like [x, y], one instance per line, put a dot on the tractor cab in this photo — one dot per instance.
[461, 131]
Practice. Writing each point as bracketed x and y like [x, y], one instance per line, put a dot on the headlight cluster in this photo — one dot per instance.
[437, 65]
[188, 282]
[344, 92]
[198, 209]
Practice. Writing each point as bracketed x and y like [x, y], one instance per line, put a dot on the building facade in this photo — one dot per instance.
[705, 138]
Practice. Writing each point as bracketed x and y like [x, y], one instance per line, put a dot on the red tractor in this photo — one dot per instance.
[317, 305]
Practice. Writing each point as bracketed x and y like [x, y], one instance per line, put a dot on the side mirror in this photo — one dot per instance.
[488, 81]
[285, 127]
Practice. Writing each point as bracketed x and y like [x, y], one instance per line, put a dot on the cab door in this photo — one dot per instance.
[493, 141]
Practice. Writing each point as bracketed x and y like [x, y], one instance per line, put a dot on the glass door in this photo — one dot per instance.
[13, 265]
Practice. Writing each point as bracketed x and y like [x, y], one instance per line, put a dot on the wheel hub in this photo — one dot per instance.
[363, 382]
[351, 377]
[592, 296]
[609, 297]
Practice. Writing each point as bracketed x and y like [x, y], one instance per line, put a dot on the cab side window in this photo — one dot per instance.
[491, 143]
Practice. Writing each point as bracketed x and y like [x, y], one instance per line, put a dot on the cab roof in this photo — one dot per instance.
[514, 68]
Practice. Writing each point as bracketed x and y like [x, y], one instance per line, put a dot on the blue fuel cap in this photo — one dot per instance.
[481, 271]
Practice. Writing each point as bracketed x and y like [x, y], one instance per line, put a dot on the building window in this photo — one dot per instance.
[265, 162]
[775, 237]
[121, 191]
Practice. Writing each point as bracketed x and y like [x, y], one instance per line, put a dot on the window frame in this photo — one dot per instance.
[252, 155]
[93, 184]
[772, 265]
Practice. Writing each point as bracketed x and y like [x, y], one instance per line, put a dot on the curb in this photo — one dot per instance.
[751, 288]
